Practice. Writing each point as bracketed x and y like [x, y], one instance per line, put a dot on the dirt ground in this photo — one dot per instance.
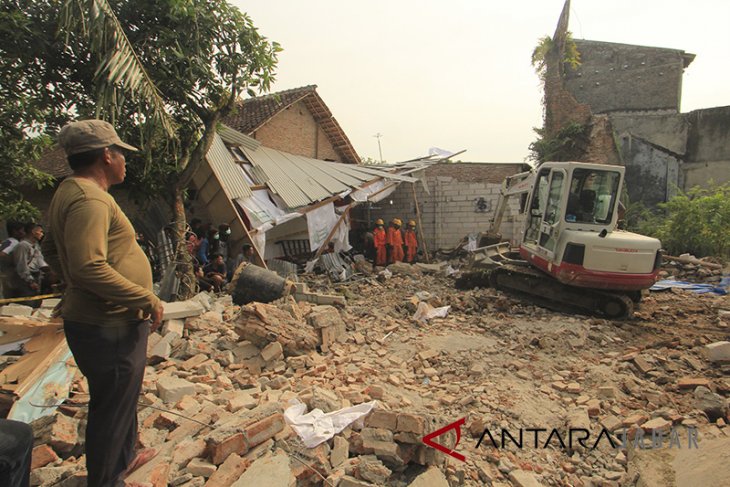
[504, 364]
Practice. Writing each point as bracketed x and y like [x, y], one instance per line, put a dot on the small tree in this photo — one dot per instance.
[165, 72]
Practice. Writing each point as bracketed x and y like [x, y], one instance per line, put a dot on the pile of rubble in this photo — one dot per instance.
[222, 378]
[219, 379]
[687, 267]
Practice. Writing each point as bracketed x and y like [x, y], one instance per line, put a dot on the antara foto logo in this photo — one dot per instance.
[456, 425]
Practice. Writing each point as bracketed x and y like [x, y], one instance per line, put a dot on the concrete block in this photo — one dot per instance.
[161, 350]
[433, 477]
[718, 351]
[522, 478]
[272, 471]
[273, 351]
[229, 472]
[13, 309]
[340, 451]
[200, 468]
[182, 309]
[172, 389]
[173, 326]
[242, 400]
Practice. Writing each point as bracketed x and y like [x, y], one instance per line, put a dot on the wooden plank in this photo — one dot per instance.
[420, 224]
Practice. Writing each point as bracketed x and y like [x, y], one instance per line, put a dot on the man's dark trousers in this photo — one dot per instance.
[16, 445]
[113, 360]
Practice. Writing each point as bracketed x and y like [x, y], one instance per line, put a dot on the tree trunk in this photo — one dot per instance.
[188, 281]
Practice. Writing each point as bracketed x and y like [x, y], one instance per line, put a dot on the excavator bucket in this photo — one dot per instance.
[489, 257]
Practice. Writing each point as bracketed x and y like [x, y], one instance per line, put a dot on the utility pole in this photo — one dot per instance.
[380, 150]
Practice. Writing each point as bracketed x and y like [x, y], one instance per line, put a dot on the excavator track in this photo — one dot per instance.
[545, 291]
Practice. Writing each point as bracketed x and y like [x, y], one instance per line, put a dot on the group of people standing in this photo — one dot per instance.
[394, 245]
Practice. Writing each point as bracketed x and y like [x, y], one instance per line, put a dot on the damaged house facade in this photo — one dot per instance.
[629, 96]
[284, 176]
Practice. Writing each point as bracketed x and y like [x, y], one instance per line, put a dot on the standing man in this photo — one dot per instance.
[411, 242]
[29, 263]
[395, 241]
[108, 304]
[379, 241]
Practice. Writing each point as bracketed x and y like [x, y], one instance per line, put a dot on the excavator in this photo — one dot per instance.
[567, 252]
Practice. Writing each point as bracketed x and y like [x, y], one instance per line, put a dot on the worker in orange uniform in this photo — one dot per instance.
[379, 240]
[411, 242]
[395, 241]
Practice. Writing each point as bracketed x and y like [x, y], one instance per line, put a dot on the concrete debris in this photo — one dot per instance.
[433, 477]
[182, 309]
[219, 380]
[15, 310]
[718, 352]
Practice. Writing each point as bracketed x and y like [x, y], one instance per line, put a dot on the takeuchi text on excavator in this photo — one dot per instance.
[567, 252]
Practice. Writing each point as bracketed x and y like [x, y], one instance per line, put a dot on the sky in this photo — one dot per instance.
[456, 74]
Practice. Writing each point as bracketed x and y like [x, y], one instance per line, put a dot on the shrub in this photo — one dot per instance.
[697, 222]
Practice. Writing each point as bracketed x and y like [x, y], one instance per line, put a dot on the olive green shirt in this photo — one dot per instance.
[92, 243]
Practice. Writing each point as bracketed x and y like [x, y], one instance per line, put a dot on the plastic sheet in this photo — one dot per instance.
[316, 427]
[319, 223]
[720, 288]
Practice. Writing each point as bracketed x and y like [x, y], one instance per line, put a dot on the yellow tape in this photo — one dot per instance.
[30, 298]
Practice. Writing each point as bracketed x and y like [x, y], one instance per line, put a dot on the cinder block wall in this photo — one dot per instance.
[294, 130]
[451, 209]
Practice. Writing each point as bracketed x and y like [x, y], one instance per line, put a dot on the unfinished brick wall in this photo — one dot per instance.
[627, 77]
[563, 108]
[294, 130]
[450, 209]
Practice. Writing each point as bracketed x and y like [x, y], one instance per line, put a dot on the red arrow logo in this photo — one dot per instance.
[428, 439]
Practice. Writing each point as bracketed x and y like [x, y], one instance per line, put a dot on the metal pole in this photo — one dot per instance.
[380, 150]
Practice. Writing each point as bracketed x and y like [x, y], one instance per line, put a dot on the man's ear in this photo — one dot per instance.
[107, 156]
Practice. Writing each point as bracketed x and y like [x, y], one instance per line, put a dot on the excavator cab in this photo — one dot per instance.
[570, 230]
[573, 256]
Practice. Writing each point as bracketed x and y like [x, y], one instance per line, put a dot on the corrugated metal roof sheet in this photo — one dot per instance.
[234, 137]
[228, 172]
[300, 181]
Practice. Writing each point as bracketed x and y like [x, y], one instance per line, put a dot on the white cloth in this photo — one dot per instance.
[316, 427]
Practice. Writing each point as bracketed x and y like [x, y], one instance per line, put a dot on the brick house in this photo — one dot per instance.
[295, 121]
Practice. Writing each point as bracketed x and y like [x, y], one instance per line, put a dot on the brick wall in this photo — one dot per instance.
[294, 130]
[623, 77]
[450, 209]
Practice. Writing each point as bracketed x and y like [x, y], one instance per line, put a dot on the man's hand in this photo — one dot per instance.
[34, 286]
[156, 317]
